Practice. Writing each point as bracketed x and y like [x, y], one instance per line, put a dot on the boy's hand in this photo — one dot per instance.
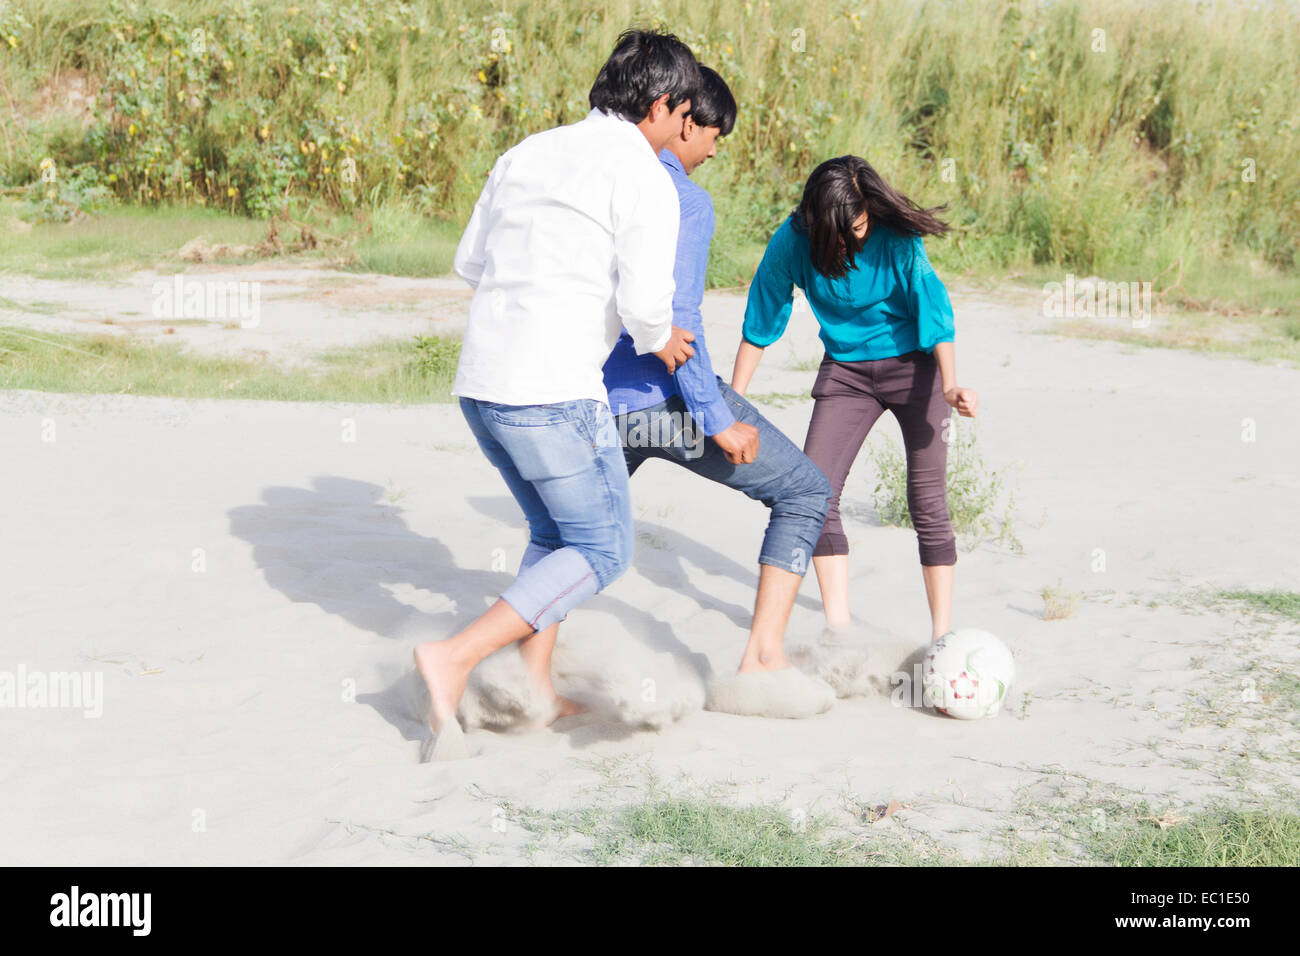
[739, 443]
[676, 352]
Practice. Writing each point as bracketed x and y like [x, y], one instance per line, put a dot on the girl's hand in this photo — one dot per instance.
[965, 400]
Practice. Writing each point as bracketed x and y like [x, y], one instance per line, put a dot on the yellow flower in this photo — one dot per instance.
[352, 44]
[130, 130]
[355, 138]
[341, 86]
[230, 191]
[482, 77]
[13, 40]
[266, 132]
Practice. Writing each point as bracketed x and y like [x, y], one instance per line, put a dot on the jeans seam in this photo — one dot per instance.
[572, 587]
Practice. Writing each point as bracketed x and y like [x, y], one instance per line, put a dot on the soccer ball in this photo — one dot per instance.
[967, 674]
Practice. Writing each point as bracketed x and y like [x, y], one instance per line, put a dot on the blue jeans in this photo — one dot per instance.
[782, 476]
[563, 464]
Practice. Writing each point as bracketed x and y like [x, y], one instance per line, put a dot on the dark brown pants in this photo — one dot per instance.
[850, 397]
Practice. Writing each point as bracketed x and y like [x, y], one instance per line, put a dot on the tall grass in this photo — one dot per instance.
[407, 372]
[1101, 136]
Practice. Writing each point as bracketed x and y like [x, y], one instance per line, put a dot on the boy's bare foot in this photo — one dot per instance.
[563, 707]
[557, 707]
[754, 662]
[445, 678]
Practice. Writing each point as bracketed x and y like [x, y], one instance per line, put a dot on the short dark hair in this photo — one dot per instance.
[713, 104]
[644, 66]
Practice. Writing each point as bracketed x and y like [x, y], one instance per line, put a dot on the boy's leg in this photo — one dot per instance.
[795, 490]
[562, 460]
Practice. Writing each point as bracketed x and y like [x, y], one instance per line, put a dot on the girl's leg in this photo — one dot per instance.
[914, 393]
[844, 411]
[938, 591]
[833, 581]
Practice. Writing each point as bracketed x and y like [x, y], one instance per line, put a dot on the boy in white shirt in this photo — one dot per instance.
[573, 238]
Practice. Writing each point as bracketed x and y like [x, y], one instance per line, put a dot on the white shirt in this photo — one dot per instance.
[573, 237]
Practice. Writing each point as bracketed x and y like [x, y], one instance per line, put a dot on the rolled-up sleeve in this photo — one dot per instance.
[771, 293]
[697, 383]
[645, 247]
[927, 298]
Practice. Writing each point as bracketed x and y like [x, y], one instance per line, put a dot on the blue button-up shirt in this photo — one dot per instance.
[636, 381]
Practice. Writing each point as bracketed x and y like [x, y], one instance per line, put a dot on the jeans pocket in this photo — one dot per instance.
[524, 416]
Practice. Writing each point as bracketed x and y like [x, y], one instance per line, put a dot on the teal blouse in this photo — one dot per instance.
[891, 304]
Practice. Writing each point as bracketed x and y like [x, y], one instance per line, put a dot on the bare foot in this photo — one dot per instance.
[445, 679]
[557, 707]
[754, 663]
[563, 707]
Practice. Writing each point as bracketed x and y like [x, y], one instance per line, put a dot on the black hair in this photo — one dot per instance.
[644, 66]
[713, 104]
[836, 194]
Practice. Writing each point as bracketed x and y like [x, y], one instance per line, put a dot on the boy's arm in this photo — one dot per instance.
[697, 382]
[645, 243]
[471, 250]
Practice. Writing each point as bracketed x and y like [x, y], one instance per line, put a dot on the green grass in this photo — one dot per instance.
[416, 371]
[677, 831]
[779, 399]
[663, 830]
[1208, 838]
[1283, 603]
[401, 242]
[1049, 150]
[118, 240]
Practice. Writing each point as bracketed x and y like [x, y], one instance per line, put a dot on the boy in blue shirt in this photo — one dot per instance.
[692, 417]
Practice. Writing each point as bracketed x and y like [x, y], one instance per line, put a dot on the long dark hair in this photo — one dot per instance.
[644, 66]
[836, 194]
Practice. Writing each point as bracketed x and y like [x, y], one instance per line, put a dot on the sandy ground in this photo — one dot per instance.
[250, 582]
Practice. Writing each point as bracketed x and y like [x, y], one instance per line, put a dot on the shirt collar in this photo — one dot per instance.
[626, 126]
[669, 159]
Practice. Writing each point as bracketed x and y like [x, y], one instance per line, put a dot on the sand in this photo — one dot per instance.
[249, 586]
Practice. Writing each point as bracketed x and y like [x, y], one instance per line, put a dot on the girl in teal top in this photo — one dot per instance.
[889, 304]
[855, 247]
